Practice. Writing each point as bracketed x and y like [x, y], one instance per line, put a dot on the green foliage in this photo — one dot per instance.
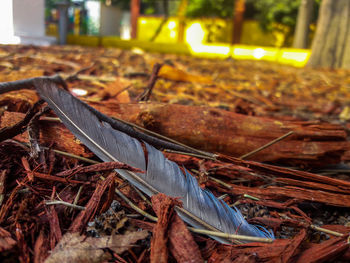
[279, 16]
[283, 12]
[210, 8]
[270, 12]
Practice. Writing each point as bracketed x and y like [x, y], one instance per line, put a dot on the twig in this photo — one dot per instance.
[135, 207]
[266, 146]
[54, 119]
[222, 197]
[76, 199]
[151, 82]
[65, 204]
[71, 155]
[251, 197]
[23, 144]
[191, 154]
[220, 182]
[143, 197]
[99, 167]
[230, 236]
[34, 133]
[18, 128]
[235, 204]
[75, 74]
[321, 229]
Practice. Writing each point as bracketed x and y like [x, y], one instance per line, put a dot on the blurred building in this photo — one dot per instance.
[90, 17]
[23, 22]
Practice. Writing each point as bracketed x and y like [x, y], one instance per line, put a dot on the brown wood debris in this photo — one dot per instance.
[171, 233]
[55, 206]
[216, 130]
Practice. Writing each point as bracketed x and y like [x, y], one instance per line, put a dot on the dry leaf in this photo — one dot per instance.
[119, 243]
[6, 241]
[171, 73]
[77, 248]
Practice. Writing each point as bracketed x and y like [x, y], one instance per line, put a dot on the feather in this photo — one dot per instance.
[200, 207]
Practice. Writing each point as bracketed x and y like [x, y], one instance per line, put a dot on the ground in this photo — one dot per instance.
[243, 106]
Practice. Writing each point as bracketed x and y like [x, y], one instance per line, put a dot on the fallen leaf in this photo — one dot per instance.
[171, 73]
[119, 243]
[79, 248]
[6, 241]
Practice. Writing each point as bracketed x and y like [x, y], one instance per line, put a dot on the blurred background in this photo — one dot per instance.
[186, 25]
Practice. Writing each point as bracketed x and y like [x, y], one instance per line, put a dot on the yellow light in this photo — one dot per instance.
[195, 34]
[213, 50]
[255, 53]
[258, 53]
[143, 21]
[242, 52]
[172, 34]
[138, 51]
[171, 25]
[295, 57]
[299, 57]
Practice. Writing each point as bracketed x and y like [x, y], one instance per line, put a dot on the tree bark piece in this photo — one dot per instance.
[284, 193]
[54, 134]
[171, 229]
[281, 250]
[216, 130]
[164, 208]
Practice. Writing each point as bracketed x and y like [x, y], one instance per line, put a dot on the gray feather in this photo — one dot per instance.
[162, 175]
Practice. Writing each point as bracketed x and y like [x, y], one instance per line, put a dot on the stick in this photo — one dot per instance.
[34, 133]
[321, 229]
[151, 82]
[76, 199]
[65, 204]
[135, 207]
[220, 182]
[230, 236]
[266, 145]
[19, 127]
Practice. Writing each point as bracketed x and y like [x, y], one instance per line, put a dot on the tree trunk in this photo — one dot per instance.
[181, 14]
[301, 34]
[238, 18]
[135, 12]
[331, 46]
